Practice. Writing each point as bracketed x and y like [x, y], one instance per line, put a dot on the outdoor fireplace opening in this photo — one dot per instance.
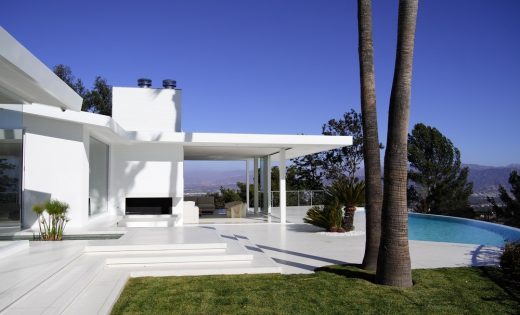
[149, 206]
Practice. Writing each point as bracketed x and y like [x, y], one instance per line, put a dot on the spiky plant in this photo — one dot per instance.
[350, 194]
[52, 223]
[329, 217]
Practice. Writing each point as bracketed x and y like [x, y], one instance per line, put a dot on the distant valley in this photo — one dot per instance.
[486, 180]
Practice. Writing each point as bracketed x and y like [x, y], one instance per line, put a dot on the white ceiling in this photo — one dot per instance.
[226, 152]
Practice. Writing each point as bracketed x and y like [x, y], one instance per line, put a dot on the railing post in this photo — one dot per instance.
[312, 193]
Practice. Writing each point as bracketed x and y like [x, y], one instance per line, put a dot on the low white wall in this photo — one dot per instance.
[146, 170]
[56, 166]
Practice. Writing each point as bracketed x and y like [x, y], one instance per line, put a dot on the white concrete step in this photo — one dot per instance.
[144, 221]
[156, 248]
[173, 260]
[57, 292]
[204, 270]
[260, 263]
[8, 248]
[149, 216]
[100, 295]
[38, 264]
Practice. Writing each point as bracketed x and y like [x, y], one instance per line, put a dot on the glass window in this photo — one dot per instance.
[10, 177]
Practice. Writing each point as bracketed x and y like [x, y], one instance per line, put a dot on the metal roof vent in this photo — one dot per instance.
[144, 83]
[169, 84]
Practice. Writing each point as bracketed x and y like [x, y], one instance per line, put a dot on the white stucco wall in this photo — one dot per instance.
[146, 170]
[147, 109]
[56, 166]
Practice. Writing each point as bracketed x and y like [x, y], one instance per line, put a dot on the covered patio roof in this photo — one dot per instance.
[223, 146]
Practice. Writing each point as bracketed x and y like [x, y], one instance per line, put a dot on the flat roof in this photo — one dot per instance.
[24, 79]
[198, 145]
[228, 146]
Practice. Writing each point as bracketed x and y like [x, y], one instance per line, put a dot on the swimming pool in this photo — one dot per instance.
[425, 227]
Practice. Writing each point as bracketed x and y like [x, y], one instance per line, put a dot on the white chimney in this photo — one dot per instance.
[147, 109]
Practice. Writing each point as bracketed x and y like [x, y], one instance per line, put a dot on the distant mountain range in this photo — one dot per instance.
[486, 179]
[198, 181]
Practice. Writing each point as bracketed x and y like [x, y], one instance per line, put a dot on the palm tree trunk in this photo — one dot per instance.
[393, 266]
[372, 160]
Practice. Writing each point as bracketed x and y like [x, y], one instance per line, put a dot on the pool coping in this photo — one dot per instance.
[507, 227]
[504, 231]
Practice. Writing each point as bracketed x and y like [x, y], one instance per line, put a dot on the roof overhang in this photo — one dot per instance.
[225, 146]
[24, 79]
[198, 146]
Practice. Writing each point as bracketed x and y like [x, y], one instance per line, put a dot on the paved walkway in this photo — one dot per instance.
[59, 277]
[298, 248]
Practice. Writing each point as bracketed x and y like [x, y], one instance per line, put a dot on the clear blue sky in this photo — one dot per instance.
[288, 66]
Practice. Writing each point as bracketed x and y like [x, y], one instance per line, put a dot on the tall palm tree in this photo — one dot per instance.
[372, 160]
[393, 265]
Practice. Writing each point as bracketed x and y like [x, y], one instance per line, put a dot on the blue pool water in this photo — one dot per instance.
[456, 230]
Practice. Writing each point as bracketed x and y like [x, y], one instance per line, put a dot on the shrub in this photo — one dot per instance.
[52, 218]
[350, 194]
[510, 260]
[330, 217]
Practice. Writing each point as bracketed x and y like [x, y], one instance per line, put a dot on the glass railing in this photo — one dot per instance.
[297, 198]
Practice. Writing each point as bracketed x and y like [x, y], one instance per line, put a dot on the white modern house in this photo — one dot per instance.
[104, 166]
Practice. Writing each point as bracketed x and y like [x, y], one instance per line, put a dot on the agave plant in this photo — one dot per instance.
[329, 217]
[52, 218]
[350, 194]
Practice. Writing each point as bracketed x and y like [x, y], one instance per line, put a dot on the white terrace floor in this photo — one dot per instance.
[86, 277]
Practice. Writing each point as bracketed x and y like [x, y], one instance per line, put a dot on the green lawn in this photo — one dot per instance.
[333, 290]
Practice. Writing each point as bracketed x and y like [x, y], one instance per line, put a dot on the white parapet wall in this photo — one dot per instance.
[147, 170]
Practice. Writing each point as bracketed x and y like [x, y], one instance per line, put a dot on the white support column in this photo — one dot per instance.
[263, 184]
[283, 199]
[255, 180]
[247, 186]
[268, 180]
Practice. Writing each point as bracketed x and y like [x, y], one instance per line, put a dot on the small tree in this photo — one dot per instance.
[291, 181]
[510, 261]
[230, 195]
[344, 161]
[307, 172]
[510, 211]
[242, 191]
[350, 194]
[99, 99]
[65, 74]
[439, 183]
